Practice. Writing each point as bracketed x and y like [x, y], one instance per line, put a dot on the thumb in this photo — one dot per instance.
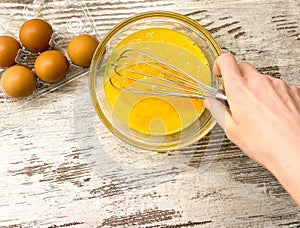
[218, 110]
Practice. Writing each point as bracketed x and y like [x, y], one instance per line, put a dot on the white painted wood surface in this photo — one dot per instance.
[60, 167]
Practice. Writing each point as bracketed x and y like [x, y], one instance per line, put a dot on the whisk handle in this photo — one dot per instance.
[221, 96]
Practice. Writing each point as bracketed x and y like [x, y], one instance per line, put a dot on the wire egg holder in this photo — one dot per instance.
[55, 12]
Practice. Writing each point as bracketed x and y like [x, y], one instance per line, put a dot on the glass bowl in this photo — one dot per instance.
[195, 127]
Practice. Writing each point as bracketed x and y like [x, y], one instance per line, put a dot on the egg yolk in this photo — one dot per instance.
[152, 114]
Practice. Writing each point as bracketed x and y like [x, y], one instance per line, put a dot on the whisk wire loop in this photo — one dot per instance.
[180, 87]
[162, 66]
[169, 80]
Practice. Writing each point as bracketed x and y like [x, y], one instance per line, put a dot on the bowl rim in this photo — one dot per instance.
[100, 51]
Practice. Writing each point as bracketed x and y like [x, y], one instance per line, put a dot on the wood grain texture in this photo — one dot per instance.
[61, 167]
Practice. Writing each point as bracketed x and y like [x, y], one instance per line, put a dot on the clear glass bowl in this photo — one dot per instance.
[156, 19]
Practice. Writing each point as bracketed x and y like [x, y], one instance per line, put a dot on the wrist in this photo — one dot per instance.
[286, 169]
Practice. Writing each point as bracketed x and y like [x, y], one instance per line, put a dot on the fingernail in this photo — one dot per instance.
[207, 104]
[217, 110]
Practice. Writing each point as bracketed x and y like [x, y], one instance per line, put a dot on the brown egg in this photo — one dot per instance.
[35, 35]
[18, 82]
[81, 49]
[9, 47]
[51, 66]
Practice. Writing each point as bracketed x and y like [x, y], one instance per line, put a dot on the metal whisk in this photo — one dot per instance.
[160, 79]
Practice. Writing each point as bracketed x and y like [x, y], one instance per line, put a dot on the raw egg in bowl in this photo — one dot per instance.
[149, 121]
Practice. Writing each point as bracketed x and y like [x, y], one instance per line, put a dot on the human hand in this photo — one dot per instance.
[263, 120]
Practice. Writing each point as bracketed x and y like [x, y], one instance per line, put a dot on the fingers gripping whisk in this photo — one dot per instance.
[142, 73]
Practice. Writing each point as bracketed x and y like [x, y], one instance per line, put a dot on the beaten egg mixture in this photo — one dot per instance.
[150, 114]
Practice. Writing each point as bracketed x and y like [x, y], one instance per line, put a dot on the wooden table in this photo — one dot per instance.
[60, 167]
